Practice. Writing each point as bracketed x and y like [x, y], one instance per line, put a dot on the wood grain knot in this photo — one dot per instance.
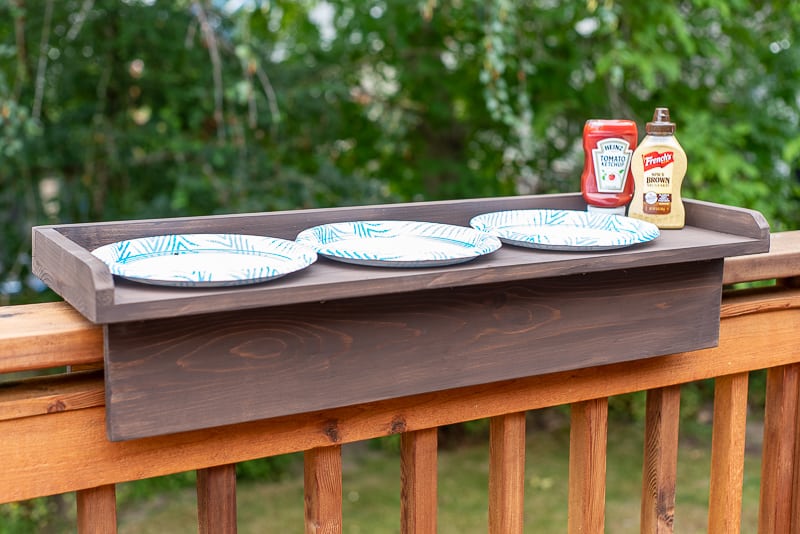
[398, 425]
[57, 406]
[331, 429]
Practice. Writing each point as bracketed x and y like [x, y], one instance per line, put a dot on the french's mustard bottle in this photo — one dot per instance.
[658, 168]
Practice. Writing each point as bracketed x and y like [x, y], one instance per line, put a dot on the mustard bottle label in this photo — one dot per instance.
[657, 182]
[612, 159]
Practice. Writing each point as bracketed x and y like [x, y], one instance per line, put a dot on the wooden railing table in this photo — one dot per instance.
[53, 440]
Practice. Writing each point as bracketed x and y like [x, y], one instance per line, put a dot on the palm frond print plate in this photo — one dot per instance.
[567, 230]
[204, 260]
[398, 243]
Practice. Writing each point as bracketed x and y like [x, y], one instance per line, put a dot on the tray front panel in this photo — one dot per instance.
[189, 372]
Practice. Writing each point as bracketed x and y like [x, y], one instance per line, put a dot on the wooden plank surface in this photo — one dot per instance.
[41, 336]
[659, 472]
[419, 481]
[587, 467]
[777, 464]
[327, 280]
[216, 499]
[323, 490]
[160, 373]
[727, 453]
[49, 394]
[97, 510]
[507, 474]
[73, 444]
[782, 261]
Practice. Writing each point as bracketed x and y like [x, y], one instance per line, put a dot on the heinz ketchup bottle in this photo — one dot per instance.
[606, 182]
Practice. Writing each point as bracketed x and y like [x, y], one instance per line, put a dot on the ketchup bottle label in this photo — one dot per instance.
[612, 159]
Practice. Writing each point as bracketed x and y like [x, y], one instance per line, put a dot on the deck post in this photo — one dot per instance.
[777, 466]
[323, 490]
[659, 472]
[419, 480]
[727, 453]
[97, 510]
[216, 499]
[507, 474]
[587, 467]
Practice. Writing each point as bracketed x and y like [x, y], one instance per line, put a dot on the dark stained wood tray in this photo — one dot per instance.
[62, 258]
[335, 334]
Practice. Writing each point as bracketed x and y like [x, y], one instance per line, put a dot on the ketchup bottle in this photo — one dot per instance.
[606, 182]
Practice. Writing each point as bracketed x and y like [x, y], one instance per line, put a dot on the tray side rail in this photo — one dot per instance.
[83, 280]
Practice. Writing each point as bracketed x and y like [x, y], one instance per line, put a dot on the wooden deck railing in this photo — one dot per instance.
[53, 436]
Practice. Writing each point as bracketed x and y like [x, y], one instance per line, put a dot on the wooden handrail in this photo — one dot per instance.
[782, 261]
[42, 336]
[52, 428]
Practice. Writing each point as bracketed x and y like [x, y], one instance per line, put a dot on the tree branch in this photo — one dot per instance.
[22, 49]
[271, 99]
[216, 65]
[41, 68]
[80, 18]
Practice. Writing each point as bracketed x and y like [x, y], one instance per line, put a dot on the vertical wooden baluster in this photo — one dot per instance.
[419, 481]
[777, 465]
[216, 500]
[507, 473]
[660, 460]
[795, 526]
[97, 510]
[727, 454]
[323, 490]
[587, 467]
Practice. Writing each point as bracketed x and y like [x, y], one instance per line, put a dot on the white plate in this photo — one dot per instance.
[204, 260]
[565, 229]
[398, 243]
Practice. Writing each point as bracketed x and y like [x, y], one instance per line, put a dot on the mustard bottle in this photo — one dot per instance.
[658, 168]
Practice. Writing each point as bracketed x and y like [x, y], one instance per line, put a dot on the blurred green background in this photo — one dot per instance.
[133, 109]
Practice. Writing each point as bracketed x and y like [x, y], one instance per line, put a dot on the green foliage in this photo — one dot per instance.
[267, 469]
[115, 110]
[34, 515]
[57, 513]
[261, 470]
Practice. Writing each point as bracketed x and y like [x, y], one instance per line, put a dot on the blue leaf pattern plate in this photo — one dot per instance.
[204, 260]
[398, 243]
[568, 230]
